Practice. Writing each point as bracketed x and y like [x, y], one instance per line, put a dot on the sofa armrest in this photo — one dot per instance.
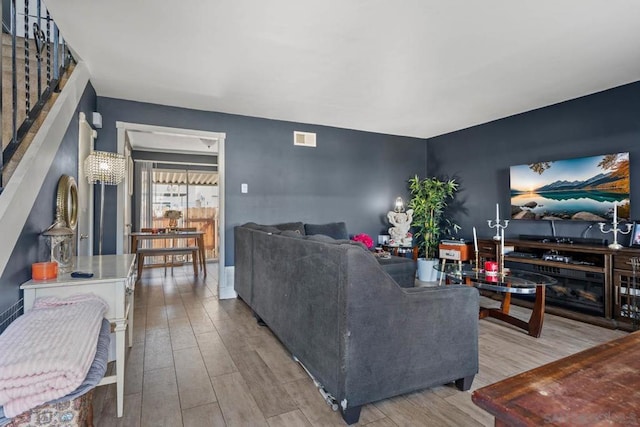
[400, 340]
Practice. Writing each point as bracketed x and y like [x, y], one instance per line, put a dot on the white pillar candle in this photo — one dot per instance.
[475, 239]
[615, 212]
[497, 213]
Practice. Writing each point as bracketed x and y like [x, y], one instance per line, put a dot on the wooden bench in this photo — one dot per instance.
[184, 250]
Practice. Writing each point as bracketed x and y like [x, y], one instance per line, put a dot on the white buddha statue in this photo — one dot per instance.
[401, 222]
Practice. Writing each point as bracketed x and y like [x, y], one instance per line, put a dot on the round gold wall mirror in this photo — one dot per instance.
[67, 201]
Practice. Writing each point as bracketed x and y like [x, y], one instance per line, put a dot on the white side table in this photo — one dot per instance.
[114, 281]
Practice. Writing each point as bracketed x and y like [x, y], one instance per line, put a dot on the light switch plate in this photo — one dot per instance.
[244, 188]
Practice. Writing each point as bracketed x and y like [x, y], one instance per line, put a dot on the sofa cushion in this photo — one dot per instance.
[327, 239]
[291, 226]
[266, 228]
[353, 242]
[402, 270]
[337, 230]
[291, 233]
[321, 238]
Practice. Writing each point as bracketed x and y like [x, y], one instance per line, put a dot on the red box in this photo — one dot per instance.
[44, 270]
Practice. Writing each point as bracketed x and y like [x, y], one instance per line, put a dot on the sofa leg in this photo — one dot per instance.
[258, 319]
[464, 384]
[351, 415]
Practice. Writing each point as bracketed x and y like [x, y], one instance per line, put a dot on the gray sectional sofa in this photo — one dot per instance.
[362, 336]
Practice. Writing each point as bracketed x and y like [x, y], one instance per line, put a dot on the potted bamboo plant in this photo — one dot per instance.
[429, 199]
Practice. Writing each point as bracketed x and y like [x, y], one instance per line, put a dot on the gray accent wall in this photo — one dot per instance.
[31, 246]
[480, 157]
[351, 176]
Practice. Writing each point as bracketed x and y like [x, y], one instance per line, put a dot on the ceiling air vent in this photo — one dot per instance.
[306, 139]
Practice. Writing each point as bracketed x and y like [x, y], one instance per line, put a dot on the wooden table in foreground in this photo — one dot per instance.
[598, 386]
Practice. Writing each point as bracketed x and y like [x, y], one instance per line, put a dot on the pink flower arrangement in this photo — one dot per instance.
[364, 239]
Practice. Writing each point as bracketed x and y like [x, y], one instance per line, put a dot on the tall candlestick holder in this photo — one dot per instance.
[615, 230]
[477, 261]
[497, 226]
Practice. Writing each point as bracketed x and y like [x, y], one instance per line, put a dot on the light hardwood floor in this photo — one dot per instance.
[197, 361]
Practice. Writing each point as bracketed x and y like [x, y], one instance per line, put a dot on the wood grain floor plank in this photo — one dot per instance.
[317, 411]
[140, 323]
[463, 402]
[131, 414]
[444, 410]
[215, 355]
[242, 318]
[384, 422]
[236, 402]
[310, 402]
[176, 310]
[200, 321]
[194, 385]
[157, 352]
[156, 317]
[405, 414]
[181, 333]
[270, 396]
[203, 416]
[234, 343]
[277, 358]
[160, 400]
[134, 368]
[290, 419]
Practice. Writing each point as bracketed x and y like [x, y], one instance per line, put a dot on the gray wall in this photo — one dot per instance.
[480, 157]
[351, 176]
[31, 247]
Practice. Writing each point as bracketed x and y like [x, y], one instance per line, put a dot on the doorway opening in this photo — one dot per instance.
[187, 163]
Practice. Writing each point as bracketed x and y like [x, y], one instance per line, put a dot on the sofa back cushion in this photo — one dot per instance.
[291, 226]
[337, 230]
[266, 228]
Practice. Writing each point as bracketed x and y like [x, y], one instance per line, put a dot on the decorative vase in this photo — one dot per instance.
[173, 222]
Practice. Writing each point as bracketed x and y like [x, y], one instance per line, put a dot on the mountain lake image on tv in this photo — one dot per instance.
[583, 189]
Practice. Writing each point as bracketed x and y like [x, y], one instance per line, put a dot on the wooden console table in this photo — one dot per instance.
[114, 281]
[598, 386]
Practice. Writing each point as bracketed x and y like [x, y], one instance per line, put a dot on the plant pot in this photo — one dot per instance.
[426, 270]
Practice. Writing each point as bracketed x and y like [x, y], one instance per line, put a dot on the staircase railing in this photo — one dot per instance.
[33, 35]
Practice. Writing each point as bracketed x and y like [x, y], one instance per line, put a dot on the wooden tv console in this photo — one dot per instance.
[612, 305]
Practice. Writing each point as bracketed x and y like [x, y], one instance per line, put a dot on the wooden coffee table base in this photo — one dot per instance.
[598, 386]
[533, 326]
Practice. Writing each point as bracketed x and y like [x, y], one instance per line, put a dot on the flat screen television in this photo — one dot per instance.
[583, 189]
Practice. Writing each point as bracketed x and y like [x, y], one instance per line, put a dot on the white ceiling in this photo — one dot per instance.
[416, 67]
[171, 143]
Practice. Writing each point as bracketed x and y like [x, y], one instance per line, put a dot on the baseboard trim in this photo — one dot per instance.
[227, 291]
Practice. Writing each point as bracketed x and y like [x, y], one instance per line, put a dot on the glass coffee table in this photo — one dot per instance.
[512, 282]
